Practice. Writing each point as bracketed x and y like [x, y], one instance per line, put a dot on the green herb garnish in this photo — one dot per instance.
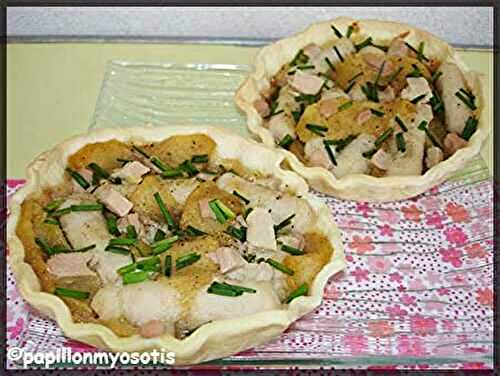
[70, 293]
[419, 52]
[53, 205]
[226, 289]
[338, 53]
[222, 212]
[400, 142]
[163, 245]
[164, 211]
[186, 260]
[78, 178]
[286, 141]
[168, 265]
[377, 112]
[112, 224]
[370, 91]
[86, 207]
[279, 266]
[192, 231]
[299, 291]
[384, 136]
[393, 76]
[330, 64]
[416, 72]
[44, 246]
[467, 98]
[287, 221]
[99, 172]
[350, 29]
[435, 76]
[401, 124]
[292, 250]
[318, 129]
[367, 42]
[51, 221]
[241, 197]
[238, 233]
[122, 241]
[300, 57]
[135, 277]
[470, 128]
[188, 168]
[336, 31]
[330, 153]
[307, 98]
[202, 158]
[345, 106]
[118, 250]
[418, 98]
[341, 143]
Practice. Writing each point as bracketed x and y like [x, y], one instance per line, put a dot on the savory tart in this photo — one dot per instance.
[366, 110]
[176, 238]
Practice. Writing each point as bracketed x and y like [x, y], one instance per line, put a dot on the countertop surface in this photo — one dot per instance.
[52, 88]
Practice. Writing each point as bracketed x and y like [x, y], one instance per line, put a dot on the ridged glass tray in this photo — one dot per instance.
[418, 290]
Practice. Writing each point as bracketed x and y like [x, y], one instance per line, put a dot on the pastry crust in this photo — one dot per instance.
[360, 187]
[213, 340]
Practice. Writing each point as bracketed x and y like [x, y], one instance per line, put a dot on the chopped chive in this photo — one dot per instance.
[418, 98]
[377, 112]
[279, 266]
[305, 67]
[469, 102]
[330, 153]
[379, 74]
[336, 31]
[393, 76]
[300, 57]
[419, 52]
[85, 249]
[219, 215]
[367, 42]
[51, 221]
[131, 232]
[193, 231]
[99, 172]
[318, 129]
[159, 235]
[368, 154]
[330, 64]
[171, 173]
[222, 291]
[401, 124]
[222, 209]
[118, 250]
[380, 47]
[241, 197]
[341, 143]
[416, 72]
[186, 260]
[247, 212]
[384, 136]
[470, 128]
[70, 293]
[286, 141]
[287, 221]
[274, 113]
[350, 29]
[53, 205]
[78, 178]
[307, 98]
[127, 268]
[123, 161]
[435, 76]
[201, 158]
[239, 288]
[168, 266]
[135, 277]
[423, 125]
[87, 207]
[158, 163]
[370, 91]
[400, 142]
[163, 245]
[436, 103]
[238, 233]
[345, 106]
[338, 53]
[348, 88]
[359, 74]
[299, 291]
[44, 246]
[122, 241]
[59, 212]
[141, 151]
[164, 211]
[112, 225]
[151, 264]
[188, 168]
[292, 250]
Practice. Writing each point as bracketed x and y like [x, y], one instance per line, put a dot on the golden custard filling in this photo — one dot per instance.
[162, 238]
[356, 105]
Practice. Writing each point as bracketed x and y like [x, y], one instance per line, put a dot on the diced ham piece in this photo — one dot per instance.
[262, 107]
[280, 125]
[227, 258]
[381, 159]
[417, 86]
[327, 107]
[132, 172]
[306, 83]
[72, 264]
[260, 232]
[434, 155]
[397, 48]
[453, 142]
[363, 116]
[375, 61]
[205, 210]
[312, 50]
[113, 200]
[151, 329]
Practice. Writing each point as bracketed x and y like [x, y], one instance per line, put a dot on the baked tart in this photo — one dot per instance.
[366, 110]
[192, 240]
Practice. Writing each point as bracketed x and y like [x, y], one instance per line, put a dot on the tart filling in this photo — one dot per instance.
[161, 238]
